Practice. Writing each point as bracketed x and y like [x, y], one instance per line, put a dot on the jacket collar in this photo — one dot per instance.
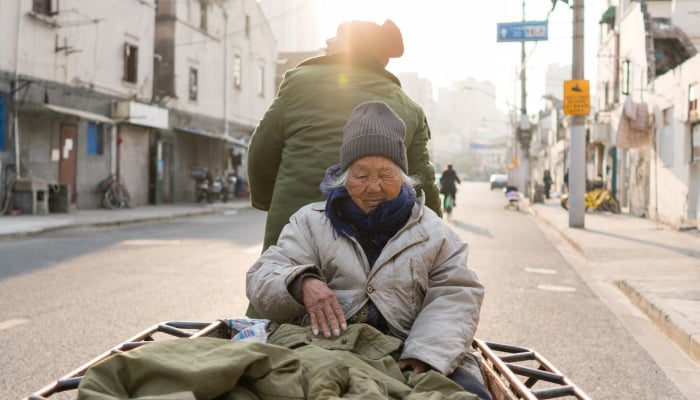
[358, 60]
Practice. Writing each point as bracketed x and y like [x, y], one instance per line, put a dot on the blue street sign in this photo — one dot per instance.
[529, 31]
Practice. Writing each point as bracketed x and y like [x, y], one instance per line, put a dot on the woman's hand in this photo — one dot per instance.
[414, 365]
[323, 307]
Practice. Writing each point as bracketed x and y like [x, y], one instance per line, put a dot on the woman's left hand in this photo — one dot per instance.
[323, 307]
[414, 365]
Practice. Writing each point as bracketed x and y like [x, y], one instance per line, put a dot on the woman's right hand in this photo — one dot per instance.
[323, 307]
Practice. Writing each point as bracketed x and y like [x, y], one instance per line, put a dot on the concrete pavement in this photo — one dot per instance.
[656, 267]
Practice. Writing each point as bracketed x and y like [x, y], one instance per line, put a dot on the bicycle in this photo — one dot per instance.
[448, 205]
[115, 194]
[597, 199]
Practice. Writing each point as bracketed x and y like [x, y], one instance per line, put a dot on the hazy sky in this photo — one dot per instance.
[450, 40]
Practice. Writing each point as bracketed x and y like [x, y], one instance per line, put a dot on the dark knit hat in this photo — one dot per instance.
[374, 129]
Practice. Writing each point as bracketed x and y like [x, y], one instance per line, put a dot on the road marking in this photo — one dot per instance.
[556, 288]
[149, 242]
[4, 325]
[540, 271]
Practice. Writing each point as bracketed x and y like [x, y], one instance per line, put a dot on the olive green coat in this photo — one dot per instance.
[301, 133]
[295, 365]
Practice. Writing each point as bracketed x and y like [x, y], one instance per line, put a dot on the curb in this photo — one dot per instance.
[672, 324]
[115, 222]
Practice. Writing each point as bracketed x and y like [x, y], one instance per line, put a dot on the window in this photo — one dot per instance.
[193, 84]
[45, 7]
[203, 14]
[606, 98]
[237, 71]
[695, 143]
[261, 81]
[2, 122]
[666, 137]
[95, 139]
[131, 62]
[247, 26]
[693, 102]
[626, 77]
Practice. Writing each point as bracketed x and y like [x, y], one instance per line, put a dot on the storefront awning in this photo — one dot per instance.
[197, 131]
[608, 15]
[86, 115]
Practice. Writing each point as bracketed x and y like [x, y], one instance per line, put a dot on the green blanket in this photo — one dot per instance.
[294, 364]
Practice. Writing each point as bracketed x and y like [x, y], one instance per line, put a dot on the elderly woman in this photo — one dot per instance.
[373, 253]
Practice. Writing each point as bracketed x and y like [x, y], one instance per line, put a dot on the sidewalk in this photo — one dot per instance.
[656, 267]
[24, 225]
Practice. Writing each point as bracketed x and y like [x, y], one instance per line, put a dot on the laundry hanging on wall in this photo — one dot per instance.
[633, 130]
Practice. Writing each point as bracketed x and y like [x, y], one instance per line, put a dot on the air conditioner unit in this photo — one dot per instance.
[693, 116]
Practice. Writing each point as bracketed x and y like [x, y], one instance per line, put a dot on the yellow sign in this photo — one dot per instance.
[577, 98]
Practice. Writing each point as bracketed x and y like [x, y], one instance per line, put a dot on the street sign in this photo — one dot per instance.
[527, 31]
[577, 98]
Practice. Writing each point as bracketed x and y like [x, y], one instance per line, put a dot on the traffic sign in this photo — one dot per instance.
[526, 31]
[577, 98]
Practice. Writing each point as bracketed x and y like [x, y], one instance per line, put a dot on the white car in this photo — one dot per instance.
[498, 181]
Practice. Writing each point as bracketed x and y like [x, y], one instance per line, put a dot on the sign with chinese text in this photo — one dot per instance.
[577, 98]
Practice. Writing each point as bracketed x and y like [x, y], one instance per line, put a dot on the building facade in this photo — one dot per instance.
[61, 70]
[216, 74]
[645, 73]
[138, 89]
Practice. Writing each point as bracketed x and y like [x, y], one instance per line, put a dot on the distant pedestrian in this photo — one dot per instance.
[566, 180]
[448, 184]
[547, 180]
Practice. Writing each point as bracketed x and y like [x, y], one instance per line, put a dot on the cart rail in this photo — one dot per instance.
[511, 372]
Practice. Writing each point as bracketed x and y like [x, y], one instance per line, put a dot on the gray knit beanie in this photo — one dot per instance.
[373, 129]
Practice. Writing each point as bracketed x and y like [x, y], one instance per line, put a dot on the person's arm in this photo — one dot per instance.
[419, 164]
[269, 280]
[451, 307]
[265, 152]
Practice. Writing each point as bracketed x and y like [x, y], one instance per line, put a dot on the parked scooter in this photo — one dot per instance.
[201, 183]
[212, 187]
[513, 197]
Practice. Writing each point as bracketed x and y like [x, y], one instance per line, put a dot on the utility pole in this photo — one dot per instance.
[524, 123]
[577, 144]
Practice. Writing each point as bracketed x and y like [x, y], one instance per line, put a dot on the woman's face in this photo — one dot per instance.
[372, 180]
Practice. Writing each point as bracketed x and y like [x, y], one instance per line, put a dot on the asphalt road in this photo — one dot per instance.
[69, 296]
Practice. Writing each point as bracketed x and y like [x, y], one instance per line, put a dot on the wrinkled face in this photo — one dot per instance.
[372, 180]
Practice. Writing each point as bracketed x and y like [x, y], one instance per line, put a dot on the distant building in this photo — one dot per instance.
[554, 80]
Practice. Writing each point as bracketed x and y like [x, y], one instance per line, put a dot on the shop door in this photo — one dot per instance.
[67, 164]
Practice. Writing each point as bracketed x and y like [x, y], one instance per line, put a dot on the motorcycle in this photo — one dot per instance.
[597, 198]
[201, 183]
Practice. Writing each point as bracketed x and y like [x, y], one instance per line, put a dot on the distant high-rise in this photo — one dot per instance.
[295, 23]
[554, 80]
